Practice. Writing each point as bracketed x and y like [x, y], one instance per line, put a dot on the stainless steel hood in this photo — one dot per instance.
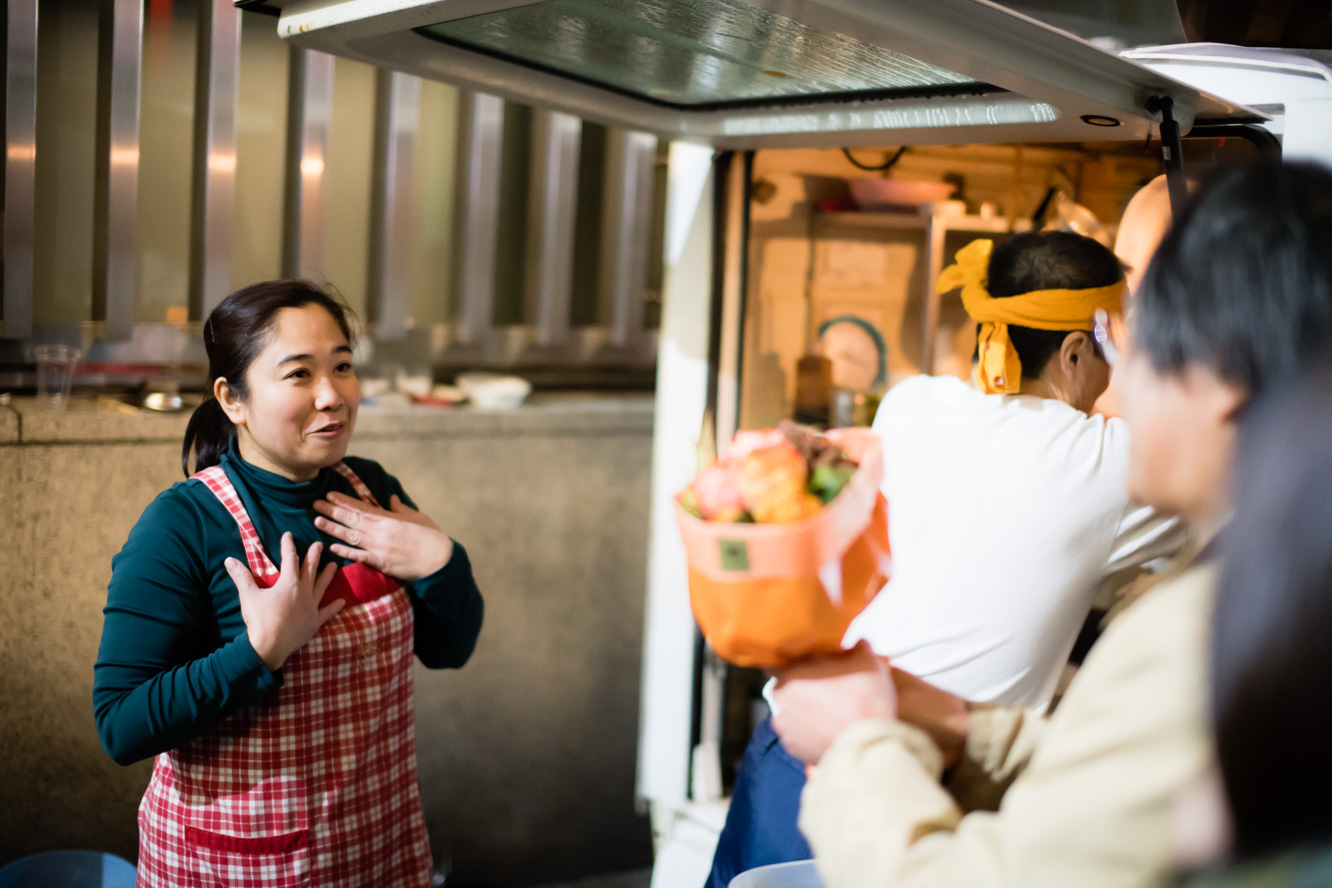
[766, 73]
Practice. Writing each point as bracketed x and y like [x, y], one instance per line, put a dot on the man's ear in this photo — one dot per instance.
[1222, 400]
[232, 405]
[1074, 344]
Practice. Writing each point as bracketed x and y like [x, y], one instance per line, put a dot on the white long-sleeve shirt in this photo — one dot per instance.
[1004, 514]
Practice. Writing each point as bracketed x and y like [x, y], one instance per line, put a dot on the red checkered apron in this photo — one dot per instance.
[316, 783]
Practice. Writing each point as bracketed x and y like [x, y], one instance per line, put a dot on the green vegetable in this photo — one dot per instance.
[827, 481]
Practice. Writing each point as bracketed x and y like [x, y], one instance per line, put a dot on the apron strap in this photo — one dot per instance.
[218, 482]
[357, 484]
[260, 564]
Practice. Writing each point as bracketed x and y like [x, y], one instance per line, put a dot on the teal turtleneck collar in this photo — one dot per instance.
[272, 487]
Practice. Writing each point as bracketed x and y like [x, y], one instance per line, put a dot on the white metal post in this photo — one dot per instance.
[682, 379]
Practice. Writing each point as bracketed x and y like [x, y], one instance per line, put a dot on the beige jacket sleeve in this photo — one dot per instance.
[999, 745]
[1090, 809]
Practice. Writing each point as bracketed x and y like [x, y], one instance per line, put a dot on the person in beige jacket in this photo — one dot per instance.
[1238, 298]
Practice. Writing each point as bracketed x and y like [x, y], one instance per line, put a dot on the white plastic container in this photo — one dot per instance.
[491, 391]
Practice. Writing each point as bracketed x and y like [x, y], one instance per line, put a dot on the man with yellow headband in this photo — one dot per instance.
[1055, 310]
[1008, 509]
[1007, 494]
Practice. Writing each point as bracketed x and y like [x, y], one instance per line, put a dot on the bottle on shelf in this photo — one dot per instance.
[813, 390]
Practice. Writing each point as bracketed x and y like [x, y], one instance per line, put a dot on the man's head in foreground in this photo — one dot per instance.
[1237, 299]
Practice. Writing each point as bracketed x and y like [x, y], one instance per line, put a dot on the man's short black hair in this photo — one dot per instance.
[1242, 285]
[1047, 260]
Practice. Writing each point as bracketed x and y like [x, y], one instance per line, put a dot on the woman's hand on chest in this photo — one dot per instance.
[282, 618]
[399, 541]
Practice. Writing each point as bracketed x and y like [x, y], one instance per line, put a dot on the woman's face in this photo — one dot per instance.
[303, 396]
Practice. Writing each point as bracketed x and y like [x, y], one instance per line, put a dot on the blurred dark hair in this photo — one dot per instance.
[1242, 284]
[1047, 260]
[1271, 658]
[234, 335]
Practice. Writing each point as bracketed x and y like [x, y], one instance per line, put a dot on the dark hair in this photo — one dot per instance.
[234, 335]
[1047, 260]
[1271, 659]
[1242, 285]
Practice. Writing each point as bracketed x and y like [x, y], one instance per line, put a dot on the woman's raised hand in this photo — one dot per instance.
[398, 541]
[282, 618]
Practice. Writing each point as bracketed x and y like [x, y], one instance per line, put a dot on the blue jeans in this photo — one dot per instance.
[761, 823]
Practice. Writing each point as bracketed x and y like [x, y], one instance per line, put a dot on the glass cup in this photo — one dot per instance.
[55, 374]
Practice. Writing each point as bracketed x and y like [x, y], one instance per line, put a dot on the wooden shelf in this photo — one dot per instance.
[921, 222]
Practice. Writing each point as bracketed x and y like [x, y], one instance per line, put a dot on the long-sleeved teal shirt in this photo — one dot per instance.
[175, 658]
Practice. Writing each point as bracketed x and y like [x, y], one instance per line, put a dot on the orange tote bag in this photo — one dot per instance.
[766, 595]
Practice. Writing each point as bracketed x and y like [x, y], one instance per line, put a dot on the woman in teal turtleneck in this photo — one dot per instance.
[272, 679]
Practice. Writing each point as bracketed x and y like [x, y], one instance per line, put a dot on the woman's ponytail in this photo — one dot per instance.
[208, 434]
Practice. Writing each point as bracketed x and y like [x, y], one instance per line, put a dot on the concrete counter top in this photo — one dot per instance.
[90, 420]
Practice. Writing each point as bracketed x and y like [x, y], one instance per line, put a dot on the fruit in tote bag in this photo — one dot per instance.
[774, 476]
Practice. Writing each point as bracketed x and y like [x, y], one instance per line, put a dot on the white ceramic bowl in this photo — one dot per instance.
[490, 391]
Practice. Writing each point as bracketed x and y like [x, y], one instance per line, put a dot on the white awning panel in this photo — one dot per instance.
[767, 73]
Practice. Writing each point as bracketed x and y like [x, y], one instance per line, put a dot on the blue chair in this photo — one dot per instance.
[68, 869]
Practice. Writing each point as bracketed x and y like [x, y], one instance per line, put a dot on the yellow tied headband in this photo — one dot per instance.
[999, 371]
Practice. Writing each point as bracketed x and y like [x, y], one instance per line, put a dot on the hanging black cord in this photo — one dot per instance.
[886, 165]
[1172, 152]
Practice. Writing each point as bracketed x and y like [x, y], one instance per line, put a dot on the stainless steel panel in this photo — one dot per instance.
[181, 346]
[20, 163]
[690, 52]
[480, 129]
[552, 201]
[397, 119]
[309, 114]
[216, 95]
[626, 227]
[117, 184]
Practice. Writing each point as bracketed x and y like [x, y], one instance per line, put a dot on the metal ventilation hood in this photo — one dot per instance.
[766, 73]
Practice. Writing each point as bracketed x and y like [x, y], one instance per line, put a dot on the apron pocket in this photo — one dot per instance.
[237, 861]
